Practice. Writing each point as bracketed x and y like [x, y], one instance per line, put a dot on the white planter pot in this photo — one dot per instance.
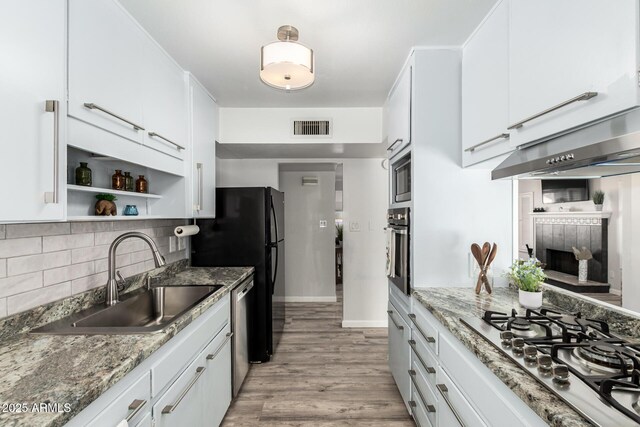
[530, 299]
[598, 208]
[583, 269]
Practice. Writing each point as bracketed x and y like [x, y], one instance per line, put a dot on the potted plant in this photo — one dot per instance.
[528, 277]
[105, 205]
[598, 199]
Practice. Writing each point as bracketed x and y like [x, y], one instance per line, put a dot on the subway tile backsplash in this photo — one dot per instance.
[41, 263]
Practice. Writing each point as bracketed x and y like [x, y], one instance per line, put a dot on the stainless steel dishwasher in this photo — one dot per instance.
[239, 343]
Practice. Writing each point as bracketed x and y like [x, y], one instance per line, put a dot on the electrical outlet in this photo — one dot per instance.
[323, 223]
[354, 226]
[173, 244]
[182, 243]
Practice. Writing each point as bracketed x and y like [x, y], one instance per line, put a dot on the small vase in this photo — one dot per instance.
[531, 300]
[141, 185]
[130, 210]
[83, 175]
[117, 180]
[128, 182]
[598, 208]
[583, 270]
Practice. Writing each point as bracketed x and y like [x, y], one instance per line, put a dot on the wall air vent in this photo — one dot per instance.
[312, 128]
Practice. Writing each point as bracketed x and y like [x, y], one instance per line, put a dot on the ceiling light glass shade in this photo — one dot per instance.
[287, 65]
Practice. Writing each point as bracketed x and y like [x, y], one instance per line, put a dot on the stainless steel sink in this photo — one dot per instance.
[147, 311]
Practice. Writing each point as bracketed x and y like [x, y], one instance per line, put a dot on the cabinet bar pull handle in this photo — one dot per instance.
[485, 142]
[199, 167]
[428, 338]
[582, 97]
[413, 404]
[53, 106]
[429, 408]
[135, 407]
[170, 408]
[429, 369]
[92, 106]
[215, 353]
[157, 135]
[390, 313]
[394, 144]
[444, 391]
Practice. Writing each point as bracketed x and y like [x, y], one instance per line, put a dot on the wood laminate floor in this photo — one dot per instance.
[321, 375]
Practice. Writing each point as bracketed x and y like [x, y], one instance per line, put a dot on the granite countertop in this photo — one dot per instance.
[77, 369]
[448, 305]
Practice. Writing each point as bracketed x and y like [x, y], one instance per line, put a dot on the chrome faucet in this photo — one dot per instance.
[112, 283]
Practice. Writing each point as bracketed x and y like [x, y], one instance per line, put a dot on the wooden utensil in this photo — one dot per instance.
[490, 258]
[477, 254]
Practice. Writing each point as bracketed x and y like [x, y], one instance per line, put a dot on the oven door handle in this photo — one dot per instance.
[392, 254]
[401, 231]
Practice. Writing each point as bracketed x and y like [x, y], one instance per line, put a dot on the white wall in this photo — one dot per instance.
[274, 125]
[365, 283]
[309, 248]
[616, 189]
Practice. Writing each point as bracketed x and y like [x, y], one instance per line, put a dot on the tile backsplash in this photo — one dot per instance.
[44, 262]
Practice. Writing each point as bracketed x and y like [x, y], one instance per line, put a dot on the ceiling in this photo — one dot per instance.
[360, 45]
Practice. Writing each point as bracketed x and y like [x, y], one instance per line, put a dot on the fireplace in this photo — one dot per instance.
[562, 261]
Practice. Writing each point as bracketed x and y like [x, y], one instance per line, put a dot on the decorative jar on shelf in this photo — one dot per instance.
[128, 182]
[83, 175]
[142, 186]
[117, 180]
[130, 210]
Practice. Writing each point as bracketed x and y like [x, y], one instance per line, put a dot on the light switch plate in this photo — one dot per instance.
[323, 223]
[354, 226]
[182, 243]
[173, 244]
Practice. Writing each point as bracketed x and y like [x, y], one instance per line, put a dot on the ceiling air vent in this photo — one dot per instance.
[312, 128]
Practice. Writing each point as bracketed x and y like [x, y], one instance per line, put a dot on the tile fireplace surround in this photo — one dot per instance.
[557, 232]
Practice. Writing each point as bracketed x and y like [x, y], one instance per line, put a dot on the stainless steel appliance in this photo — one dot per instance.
[249, 231]
[401, 179]
[607, 148]
[398, 235]
[240, 338]
[576, 358]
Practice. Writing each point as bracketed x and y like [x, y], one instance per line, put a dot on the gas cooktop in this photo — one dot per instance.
[576, 358]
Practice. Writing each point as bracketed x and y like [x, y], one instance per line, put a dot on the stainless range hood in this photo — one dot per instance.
[607, 148]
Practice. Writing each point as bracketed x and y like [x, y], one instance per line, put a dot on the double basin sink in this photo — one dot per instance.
[146, 311]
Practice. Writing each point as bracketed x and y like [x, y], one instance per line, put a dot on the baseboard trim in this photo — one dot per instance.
[364, 324]
[305, 299]
[615, 291]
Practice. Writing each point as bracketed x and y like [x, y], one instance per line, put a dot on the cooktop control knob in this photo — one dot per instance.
[518, 345]
[530, 353]
[561, 373]
[506, 337]
[544, 362]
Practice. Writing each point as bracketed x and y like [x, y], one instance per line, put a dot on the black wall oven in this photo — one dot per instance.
[398, 241]
[401, 179]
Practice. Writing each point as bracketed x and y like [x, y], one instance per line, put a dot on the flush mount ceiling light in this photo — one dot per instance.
[286, 64]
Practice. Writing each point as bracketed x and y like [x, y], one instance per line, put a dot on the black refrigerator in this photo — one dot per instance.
[249, 231]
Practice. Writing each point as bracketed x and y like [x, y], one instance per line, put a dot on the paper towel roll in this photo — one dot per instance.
[186, 230]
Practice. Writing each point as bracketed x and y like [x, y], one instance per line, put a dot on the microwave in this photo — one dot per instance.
[401, 179]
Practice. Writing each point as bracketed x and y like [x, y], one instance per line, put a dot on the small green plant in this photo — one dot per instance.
[106, 196]
[526, 275]
[339, 232]
[598, 197]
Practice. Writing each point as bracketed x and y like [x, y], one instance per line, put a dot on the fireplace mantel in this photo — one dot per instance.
[570, 214]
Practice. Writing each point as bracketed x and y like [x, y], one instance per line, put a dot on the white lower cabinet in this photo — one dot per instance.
[399, 357]
[187, 382]
[448, 385]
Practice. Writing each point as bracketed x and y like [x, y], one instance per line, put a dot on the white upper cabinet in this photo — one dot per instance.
[564, 51]
[105, 65]
[399, 112]
[204, 132]
[165, 103]
[485, 89]
[32, 39]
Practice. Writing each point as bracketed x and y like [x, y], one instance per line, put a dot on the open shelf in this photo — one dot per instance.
[97, 190]
[112, 218]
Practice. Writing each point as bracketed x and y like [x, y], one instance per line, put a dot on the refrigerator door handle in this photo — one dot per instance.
[275, 222]
[275, 271]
